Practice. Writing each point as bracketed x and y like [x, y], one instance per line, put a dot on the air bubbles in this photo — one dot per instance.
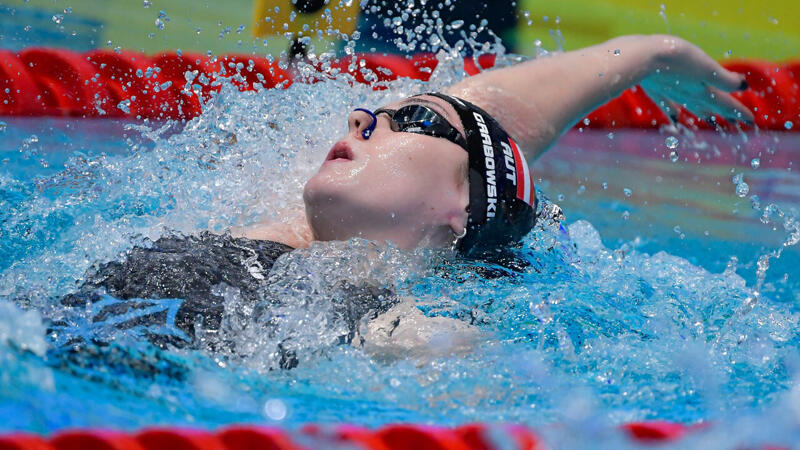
[627, 192]
[146, 3]
[616, 52]
[755, 163]
[671, 142]
[674, 156]
[456, 24]
[58, 18]
[3, 126]
[788, 125]
[159, 24]
[68, 10]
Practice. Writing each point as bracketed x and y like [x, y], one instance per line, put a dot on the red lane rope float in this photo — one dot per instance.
[390, 437]
[171, 85]
[18, 86]
[68, 83]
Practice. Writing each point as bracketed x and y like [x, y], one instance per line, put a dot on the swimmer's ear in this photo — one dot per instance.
[458, 224]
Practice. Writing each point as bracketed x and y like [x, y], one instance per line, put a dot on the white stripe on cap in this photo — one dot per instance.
[525, 191]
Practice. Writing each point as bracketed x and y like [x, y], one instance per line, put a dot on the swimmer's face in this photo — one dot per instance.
[407, 188]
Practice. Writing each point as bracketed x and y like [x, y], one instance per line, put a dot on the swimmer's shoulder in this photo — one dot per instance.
[292, 230]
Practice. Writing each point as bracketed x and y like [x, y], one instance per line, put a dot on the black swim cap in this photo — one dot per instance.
[502, 198]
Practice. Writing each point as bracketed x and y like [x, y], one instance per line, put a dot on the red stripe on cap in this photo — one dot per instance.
[524, 175]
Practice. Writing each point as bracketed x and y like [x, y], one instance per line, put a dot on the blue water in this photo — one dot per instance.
[654, 307]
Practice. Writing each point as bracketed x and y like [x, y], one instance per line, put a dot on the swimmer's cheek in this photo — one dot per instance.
[404, 332]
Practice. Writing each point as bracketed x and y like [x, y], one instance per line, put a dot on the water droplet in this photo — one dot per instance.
[788, 125]
[456, 24]
[586, 121]
[58, 18]
[275, 409]
[159, 24]
[626, 215]
[742, 189]
[125, 106]
[68, 10]
[146, 3]
[755, 163]
[610, 135]
[605, 185]
[616, 52]
[627, 192]
[671, 142]
[673, 156]
[3, 126]
[394, 382]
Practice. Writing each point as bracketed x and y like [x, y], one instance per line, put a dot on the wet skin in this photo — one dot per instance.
[406, 188]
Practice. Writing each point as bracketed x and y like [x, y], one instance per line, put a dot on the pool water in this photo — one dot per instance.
[674, 296]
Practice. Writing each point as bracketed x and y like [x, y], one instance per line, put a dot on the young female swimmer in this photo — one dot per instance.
[439, 170]
[452, 167]
[444, 169]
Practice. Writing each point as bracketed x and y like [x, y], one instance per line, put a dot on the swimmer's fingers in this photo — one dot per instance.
[670, 108]
[713, 74]
[702, 100]
[682, 58]
[662, 95]
[727, 106]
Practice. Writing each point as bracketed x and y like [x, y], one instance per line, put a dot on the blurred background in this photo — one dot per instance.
[724, 28]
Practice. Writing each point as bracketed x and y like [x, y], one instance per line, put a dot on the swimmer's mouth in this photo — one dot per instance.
[340, 152]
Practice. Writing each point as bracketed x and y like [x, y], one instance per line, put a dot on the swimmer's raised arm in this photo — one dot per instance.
[538, 100]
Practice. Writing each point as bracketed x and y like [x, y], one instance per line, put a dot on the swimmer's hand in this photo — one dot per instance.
[405, 332]
[540, 99]
[683, 75]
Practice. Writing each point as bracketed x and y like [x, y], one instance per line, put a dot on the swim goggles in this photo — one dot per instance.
[418, 119]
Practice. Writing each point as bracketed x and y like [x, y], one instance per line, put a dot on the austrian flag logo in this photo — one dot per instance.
[522, 179]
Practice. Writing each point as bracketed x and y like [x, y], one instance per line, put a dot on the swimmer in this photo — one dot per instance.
[451, 168]
[443, 170]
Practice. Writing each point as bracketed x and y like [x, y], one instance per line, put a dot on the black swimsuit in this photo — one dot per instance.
[163, 291]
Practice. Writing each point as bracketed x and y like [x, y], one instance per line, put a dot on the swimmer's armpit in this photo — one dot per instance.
[538, 100]
[405, 332]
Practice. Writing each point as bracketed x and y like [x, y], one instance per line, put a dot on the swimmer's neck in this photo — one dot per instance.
[292, 230]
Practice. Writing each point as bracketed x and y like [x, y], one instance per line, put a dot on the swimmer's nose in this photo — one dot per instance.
[361, 122]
